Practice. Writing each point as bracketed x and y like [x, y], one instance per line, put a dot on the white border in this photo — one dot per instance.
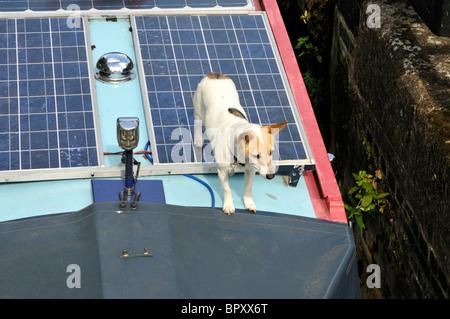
[139, 64]
[127, 12]
[96, 114]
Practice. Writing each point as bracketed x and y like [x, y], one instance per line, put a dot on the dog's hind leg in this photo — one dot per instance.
[198, 135]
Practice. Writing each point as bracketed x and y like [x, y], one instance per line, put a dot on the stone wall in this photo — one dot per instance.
[399, 97]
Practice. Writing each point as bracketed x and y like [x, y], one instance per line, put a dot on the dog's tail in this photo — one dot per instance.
[286, 180]
[216, 76]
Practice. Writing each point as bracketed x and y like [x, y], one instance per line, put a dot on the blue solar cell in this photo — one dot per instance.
[43, 5]
[18, 5]
[110, 5]
[45, 101]
[237, 46]
[53, 5]
[83, 4]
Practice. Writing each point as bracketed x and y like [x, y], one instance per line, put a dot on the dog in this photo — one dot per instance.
[236, 143]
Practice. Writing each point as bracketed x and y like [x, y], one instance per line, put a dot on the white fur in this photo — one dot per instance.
[212, 100]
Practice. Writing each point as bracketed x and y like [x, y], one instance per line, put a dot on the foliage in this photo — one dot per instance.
[307, 47]
[364, 198]
[305, 17]
[312, 38]
[314, 84]
[314, 87]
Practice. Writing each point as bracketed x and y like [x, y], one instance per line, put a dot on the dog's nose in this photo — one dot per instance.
[270, 176]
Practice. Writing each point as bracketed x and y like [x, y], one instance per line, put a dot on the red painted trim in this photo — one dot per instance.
[316, 200]
[325, 176]
[257, 5]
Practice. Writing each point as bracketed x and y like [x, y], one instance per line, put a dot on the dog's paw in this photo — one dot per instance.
[228, 208]
[249, 204]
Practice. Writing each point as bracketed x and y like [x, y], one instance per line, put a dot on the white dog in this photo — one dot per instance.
[236, 143]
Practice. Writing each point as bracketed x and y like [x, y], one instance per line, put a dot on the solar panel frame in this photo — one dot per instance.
[116, 5]
[55, 114]
[198, 167]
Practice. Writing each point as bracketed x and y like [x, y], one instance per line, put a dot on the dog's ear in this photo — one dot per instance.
[276, 127]
[245, 138]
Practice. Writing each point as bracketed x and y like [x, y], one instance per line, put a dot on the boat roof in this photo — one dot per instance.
[166, 251]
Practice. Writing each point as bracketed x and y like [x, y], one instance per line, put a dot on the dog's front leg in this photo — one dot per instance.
[198, 136]
[248, 198]
[228, 205]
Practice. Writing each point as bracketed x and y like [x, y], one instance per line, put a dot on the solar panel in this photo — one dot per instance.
[53, 5]
[46, 110]
[177, 51]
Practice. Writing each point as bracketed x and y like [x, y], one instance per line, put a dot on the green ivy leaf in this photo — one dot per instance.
[367, 186]
[351, 200]
[366, 200]
[301, 42]
[359, 220]
[353, 189]
[380, 196]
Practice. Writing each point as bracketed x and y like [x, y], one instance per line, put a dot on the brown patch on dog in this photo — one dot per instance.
[216, 76]
[236, 113]
[273, 129]
[278, 126]
[249, 142]
[262, 149]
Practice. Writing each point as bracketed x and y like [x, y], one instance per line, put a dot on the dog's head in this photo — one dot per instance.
[257, 145]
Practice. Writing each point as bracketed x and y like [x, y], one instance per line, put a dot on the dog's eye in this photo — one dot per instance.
[258, 156]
